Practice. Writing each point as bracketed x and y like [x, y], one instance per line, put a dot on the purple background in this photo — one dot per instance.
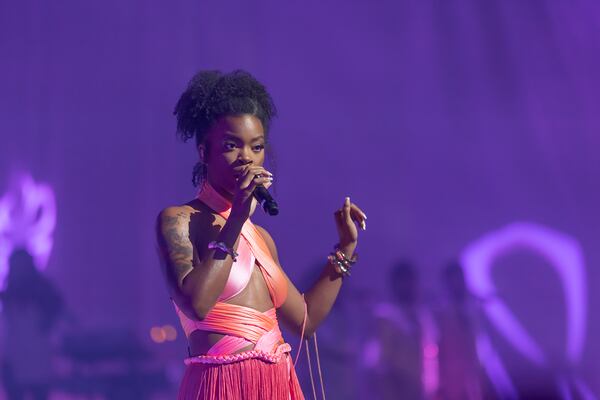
[442, 120]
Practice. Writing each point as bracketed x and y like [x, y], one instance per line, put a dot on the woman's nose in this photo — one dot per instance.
[244, 156]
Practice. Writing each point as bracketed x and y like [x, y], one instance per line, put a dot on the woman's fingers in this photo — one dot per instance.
[351, 212]
[259, 170]
[246, 179]
[360, 212]
[359, 216]
[346, 208]
[269, 183]
[252, 181]
[253, 176]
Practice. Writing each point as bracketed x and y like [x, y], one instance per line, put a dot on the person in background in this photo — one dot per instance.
[403, 355]
[31, 307]
[461, 373]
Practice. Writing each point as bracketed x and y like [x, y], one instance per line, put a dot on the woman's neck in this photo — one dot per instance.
[224, 193]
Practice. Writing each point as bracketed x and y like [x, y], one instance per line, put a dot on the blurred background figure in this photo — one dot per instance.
[339, 342]
[402, 355]
[31, 307]
[340, 339]
[459, 319]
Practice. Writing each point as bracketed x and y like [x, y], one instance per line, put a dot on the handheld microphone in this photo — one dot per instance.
[265, 200]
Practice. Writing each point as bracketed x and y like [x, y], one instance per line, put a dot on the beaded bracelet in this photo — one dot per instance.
[339, 267]
[223, 247]
[341, 262]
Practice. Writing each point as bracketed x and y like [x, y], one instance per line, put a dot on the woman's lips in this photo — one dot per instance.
[239, 171]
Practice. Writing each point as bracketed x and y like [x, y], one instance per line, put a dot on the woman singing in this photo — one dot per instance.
[224, 275]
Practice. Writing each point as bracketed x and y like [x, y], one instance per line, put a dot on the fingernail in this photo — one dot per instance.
[363, 225]
[365, 216]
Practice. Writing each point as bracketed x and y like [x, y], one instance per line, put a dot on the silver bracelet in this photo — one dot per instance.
[340, 267]
[223, 247]
[341, 262]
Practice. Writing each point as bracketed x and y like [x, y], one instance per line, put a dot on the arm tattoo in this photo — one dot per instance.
[175, 244]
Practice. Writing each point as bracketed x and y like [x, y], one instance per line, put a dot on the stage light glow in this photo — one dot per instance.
[170, 332]
[27, 220]
[157, 334]
[563, 254]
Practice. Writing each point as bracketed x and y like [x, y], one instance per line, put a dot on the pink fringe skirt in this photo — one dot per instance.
[249, 379]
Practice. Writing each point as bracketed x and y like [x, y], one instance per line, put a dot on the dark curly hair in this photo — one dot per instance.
[213, 94]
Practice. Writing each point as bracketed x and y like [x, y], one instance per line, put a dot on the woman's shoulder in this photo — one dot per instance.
[192, 218]
[177, 212]
[193, 207]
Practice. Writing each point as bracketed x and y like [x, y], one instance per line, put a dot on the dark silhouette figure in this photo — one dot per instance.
[400, 356]
[31, 306]
[461, 374]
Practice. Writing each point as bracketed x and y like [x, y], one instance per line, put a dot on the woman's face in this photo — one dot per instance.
[232, 143]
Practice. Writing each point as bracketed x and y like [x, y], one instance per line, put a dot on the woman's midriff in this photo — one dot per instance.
[255, 295]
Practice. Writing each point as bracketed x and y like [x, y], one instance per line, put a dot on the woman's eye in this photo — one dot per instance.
[229, 145]
[258, 147]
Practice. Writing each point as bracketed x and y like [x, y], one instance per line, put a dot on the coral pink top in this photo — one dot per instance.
[242, 326]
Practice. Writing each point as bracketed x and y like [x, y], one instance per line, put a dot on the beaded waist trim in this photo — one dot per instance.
[245, 355]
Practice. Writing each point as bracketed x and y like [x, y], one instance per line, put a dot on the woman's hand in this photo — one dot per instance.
[243, 200]
[346, 220]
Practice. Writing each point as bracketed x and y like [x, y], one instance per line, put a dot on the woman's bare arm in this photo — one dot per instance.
[321, 296]
[196, 279]
[197, 275]
[319, 299]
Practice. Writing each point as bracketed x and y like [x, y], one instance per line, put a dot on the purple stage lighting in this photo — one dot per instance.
[27, 220]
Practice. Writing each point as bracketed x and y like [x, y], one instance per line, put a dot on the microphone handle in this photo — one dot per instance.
[265, 199]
